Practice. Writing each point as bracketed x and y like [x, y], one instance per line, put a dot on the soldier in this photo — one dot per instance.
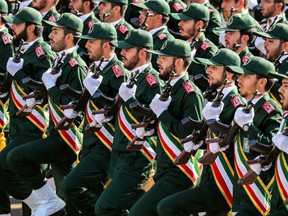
[59, 148]
[186, 100]
[153, 18]
[193, 200]
[260, 124]
[129, 169]
[48, 12]
[84, 183]
[192, 26]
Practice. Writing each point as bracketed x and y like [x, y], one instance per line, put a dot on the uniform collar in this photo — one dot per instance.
[67, 51]
[25, 47]
[84, 16]
[227, 90]
[141, 68]
[116, 22]
[172, 83]
[283, 58]
[153, 31]
[104, 64]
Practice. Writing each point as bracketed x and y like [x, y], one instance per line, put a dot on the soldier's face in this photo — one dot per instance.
[166, 64]
[105, 8]
[76, 6]
[150, 19]
[231, 38]
[39, 4]
[226, 7]
[19, 31]
[130, 57]
[247, 84]
[268, 8]
[273, 48]
[283, 90]
[57, 39]
[187, 29]
[216, 76]
[95, 49]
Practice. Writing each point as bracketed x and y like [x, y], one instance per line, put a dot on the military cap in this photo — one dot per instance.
[194, 11]
[26, 14]
[100, 31]
[160, 6]
[135, 38]
[239, 22]
[255, 65]
[223, 57]
[279, 31]
[174, 47]
[68, 20]
[116, 1]
[3, 7]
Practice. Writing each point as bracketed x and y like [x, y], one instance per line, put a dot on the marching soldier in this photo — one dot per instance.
[194, 200]
[186, 100]
[59, 148]
[32, 59]
[84, 183]
[129, 169]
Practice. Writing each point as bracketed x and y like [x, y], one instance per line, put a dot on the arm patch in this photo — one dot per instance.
[52, 18]
[39, 51]
[162, 36]
[123, 29]
[177, 7]
[151, 80]
[73, 62]
[268, 107]
[188, 87]
[117, 71]
[204, 46]
[6, 40]
[236, 102]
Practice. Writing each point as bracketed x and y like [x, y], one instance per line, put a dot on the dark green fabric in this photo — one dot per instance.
[49, 16]
[211, 31]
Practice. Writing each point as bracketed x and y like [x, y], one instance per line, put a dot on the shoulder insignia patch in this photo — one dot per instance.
[117, 71]
[39, 51]
[162, 36]
[204, 46]
[136, 1]
[245, 59]
[177, 7]
[123, 29]
[89, 24]
[268, 107]
[6, 40]
[151, 80]
[52, 18]
[73, 62]
[188, 87]
[236, 102]
[210, 10]
[285, 114]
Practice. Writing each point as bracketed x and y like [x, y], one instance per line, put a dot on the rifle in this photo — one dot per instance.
[6, 84]
[110, 110]
[209, 157]
[65, 123]
[267, 158]
[39, 92]
[148, 123]
[210, 94]
[198, 135]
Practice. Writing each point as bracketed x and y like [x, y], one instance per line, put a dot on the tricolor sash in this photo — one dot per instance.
[282, 176]
[258, 192]
[4, 117]
[125, 120]
[106, 133]
[72, 136]
[172, 146]
[39, 115]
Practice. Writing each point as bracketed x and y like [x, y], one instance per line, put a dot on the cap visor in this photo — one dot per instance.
[207, 61]
[8, 19]
[277, 75]
[122, 44]
[264, 35]
[87, 37]
[180, 16]
[228, 29]
[141, 5]
[53, 24]
[235, 69]
[157, 52]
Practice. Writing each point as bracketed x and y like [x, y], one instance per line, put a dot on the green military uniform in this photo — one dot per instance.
[129, 169]
[122, 28]
[52, 15]
[83, 185]
[169, 178]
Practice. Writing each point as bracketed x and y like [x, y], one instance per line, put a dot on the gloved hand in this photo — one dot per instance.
[49, 79]
[281, 141]
[92, 84]
[242, 118]
[125, 92]
[100, 118]
[69, 113]
[32, 102]
[13, 67]
[257, 168]
[3, 95]
[210, 112]
[159, 106]
[215, 147]
[141, 132]
[190, 146]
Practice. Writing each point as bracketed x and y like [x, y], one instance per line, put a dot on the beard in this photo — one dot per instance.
[131, 64]
[217, 85]
[41, 5]
[22, 36]
[166, 73]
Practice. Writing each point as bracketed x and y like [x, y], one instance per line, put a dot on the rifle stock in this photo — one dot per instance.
[67, 90]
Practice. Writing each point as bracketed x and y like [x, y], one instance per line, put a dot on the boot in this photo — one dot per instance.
[51, 203]
[33, 201]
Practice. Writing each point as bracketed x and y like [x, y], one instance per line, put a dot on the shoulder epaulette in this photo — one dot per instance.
[123, 29]
[39, 51]
[177, 7]
[268, 107]
[6, 40]
[162, 36]
[188, 87]
[204, 46]
[52, 18]
[236, 102]
[245, 59]
[89, 24]
[73, 62]
[151, 80]
[117, 71]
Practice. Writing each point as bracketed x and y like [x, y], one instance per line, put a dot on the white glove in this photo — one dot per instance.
[141, 132]
[69, 113]
[281, 141]
[257, 168]
[100, 118]
[125, 92]
[31, 102]
[3, 95]
[159, 106]
[190, 146]
[49, 79]
[215, 147]
[210, 112]
[92, 84]
[13, 67]
[242, 118]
